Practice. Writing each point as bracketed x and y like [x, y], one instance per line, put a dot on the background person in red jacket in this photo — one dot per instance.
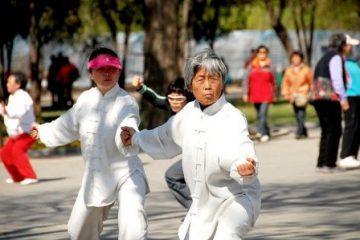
[259, 89]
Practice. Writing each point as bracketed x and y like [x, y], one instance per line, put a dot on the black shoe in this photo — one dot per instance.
[302, 136]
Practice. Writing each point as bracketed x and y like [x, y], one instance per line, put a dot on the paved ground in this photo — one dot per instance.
[298, 203]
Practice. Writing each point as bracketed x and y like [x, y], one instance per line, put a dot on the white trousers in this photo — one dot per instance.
[86, 223]
[232, 224]
[235, 222]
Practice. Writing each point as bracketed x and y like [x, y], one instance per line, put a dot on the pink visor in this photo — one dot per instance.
[104, 60]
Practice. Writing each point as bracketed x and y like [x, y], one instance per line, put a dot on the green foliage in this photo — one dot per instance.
[93, 24]
[344, 16]
[202, 19]
[233, 18]
[280, 113]
[257, 18]
[97, 14]
[55, 20]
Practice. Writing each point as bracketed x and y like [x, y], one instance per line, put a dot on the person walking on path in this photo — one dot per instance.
[328, 96]
[219, 160]
[295, 88]
[18, 117]
[53, 85]
[67, 75]
[259, 89]
[110, 175]
[351, 136]
[176, 98]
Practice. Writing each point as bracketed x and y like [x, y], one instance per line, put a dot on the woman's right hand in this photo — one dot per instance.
[136, 82]
[126, 135]
[345, 105]
[35, 132]
[245, 98]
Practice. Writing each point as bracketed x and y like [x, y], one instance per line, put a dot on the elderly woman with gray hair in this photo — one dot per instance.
[219, 161]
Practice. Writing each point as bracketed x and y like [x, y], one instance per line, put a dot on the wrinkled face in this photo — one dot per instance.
[176, 101]
[12, 85]
[105, 78]
[206, 88]
[296, 60]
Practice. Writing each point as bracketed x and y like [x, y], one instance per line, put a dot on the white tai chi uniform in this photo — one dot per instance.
[110, 174]
[213, 142]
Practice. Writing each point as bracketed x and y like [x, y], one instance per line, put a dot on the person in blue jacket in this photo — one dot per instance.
[351, 136]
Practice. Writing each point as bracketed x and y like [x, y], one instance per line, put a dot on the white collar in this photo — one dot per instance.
[213, 108]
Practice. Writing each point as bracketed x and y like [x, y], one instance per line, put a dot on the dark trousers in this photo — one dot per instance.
[175, 180]
[300, 114]
[329, 114]
[351, 137]
[262, 114]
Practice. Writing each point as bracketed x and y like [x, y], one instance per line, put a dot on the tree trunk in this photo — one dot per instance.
[2, 92]
[160, 50]
[106, 13]
[34, 63]
[309, 47]
[184, 42]
[2, 71]
[301, 11]
[9, 50]
[277, 25]
[126, 50]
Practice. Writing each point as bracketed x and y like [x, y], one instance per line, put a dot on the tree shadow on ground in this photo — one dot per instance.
[316, 210]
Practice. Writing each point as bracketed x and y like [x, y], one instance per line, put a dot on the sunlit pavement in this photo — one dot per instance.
[298, 203]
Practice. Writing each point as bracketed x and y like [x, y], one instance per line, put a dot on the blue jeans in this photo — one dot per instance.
[261, 114]
[300, 114]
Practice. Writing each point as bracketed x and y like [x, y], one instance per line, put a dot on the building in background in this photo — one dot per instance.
[233, 47]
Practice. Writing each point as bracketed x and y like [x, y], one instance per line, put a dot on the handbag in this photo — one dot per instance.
[321, 89]
[300, 99]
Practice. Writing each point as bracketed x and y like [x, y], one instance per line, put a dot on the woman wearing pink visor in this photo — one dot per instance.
[111, 175]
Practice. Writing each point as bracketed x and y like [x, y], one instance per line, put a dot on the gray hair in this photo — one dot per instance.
[206, 59]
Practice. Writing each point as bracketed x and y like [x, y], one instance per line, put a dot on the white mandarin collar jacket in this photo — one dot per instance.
[19, 115]
[96, 121]
[213, 142]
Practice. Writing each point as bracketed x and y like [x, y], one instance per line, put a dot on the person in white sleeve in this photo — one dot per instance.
[219, 160]
[110, 174]
[18, 117]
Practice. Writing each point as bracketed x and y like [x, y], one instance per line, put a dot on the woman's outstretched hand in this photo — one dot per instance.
[35, 132]
[126, 135]
[247, 168]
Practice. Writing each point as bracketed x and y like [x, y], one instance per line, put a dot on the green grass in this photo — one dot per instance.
[280, 113]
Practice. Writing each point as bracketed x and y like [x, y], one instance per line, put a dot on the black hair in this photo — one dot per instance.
[20, 78]
[297, 53]
[102, 50]
[178, 86]
[262, 47]
[337, 41]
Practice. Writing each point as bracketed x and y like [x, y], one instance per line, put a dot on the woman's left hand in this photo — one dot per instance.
[247, 168]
